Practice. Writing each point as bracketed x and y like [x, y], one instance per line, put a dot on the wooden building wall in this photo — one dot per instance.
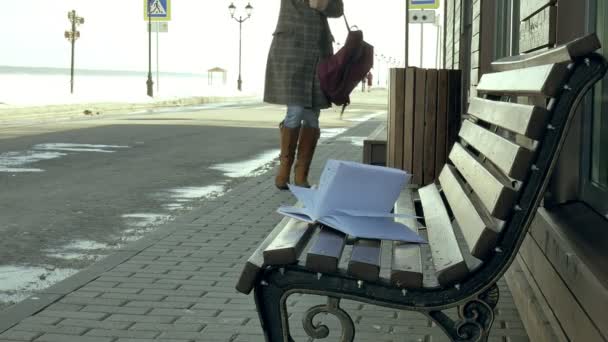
[559, 280]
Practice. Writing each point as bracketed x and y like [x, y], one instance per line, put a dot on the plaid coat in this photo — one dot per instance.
[302, 37]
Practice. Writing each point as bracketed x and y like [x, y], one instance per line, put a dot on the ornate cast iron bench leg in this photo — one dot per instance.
[476, 318]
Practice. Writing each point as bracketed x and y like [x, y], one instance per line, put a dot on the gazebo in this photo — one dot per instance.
[214, 71]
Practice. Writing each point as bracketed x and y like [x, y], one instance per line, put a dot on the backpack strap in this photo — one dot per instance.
[346, 22]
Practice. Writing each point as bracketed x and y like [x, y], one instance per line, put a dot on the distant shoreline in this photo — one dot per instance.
[5, 69]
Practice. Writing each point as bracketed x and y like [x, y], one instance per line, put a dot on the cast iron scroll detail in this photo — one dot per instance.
[322, 331]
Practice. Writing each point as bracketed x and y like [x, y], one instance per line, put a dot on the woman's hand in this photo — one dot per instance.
[319, 5]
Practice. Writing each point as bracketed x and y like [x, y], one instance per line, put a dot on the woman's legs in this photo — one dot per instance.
[303, 124]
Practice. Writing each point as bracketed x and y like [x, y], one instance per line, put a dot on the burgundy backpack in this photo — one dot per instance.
[340, 73]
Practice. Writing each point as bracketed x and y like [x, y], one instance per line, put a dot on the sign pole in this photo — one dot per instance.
[149, 82]
[421, 43]
[157, 69]
[407, 33]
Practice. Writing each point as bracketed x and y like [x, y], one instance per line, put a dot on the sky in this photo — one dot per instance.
[201, 34]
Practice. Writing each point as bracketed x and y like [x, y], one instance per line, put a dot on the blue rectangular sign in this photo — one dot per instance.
[424, 4]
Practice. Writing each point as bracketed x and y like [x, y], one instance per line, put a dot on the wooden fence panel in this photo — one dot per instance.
[424, 119]
[419, 108]
[430, 127]
[441, 138]
[408, 121]
[396, 113]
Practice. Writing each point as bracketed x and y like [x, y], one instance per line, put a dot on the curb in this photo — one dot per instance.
[57, 112]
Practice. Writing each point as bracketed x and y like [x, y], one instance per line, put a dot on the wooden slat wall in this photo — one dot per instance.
[395, 118]
[430, 127]
[539, 30]
[408, 121]
[527, 8]
[475, 47]
[457, 32]
[424, 119]
[441, 137]
[419, 107]
[449, 36]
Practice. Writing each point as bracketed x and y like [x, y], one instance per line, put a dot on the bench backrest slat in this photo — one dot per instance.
[481, 230]
[526, 120]
[364, 261]
[450, 266]
[512, 159]
[563, 53]
[543, 80]
[497, 196]
[324, 254]
[406, 264]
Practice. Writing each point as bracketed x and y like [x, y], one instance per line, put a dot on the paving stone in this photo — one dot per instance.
[71, 338]
[122, 333]
[55, 329]
[19, 335]
[95, 324]
[76, 315]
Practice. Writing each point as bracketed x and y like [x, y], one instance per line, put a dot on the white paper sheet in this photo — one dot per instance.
[355, 199]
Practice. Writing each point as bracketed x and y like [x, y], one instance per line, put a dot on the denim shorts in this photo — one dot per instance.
[298, 115]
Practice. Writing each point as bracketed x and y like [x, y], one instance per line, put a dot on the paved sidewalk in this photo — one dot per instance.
[178, 283]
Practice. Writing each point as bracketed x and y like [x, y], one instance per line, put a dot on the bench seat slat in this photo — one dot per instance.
[406, 264]
[564, 53]
[543, 80]
[511, 158]
[447, 258]
[255, 263]
[526, 120]
[364, 261]
[324, 254]
[480, 230]
[288, 244]
[494, 194]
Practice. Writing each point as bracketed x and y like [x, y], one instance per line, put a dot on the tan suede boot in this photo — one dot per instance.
[289, 141]
[306, 150]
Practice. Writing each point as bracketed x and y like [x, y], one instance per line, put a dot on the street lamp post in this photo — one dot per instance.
[149, 82]
[240, 20]
[72, 35]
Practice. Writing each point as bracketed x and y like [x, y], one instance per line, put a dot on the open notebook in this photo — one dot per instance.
[356, 199]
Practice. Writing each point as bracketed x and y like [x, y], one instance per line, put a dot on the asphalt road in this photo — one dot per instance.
[72, 192]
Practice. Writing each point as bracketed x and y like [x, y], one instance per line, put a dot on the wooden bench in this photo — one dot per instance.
[374, 147]
[487, 196]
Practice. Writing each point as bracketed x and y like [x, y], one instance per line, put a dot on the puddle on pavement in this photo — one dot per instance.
[140, 224]
[186, 195]
[19, 282]
[79, 147]
[80, 250]
[248, 168]
[13, 161]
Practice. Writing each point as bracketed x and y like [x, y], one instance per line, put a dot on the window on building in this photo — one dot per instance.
[595, 145]
[506, 34]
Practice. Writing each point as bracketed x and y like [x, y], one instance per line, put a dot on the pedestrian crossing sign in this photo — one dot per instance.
[157, 10]
[424, 4]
